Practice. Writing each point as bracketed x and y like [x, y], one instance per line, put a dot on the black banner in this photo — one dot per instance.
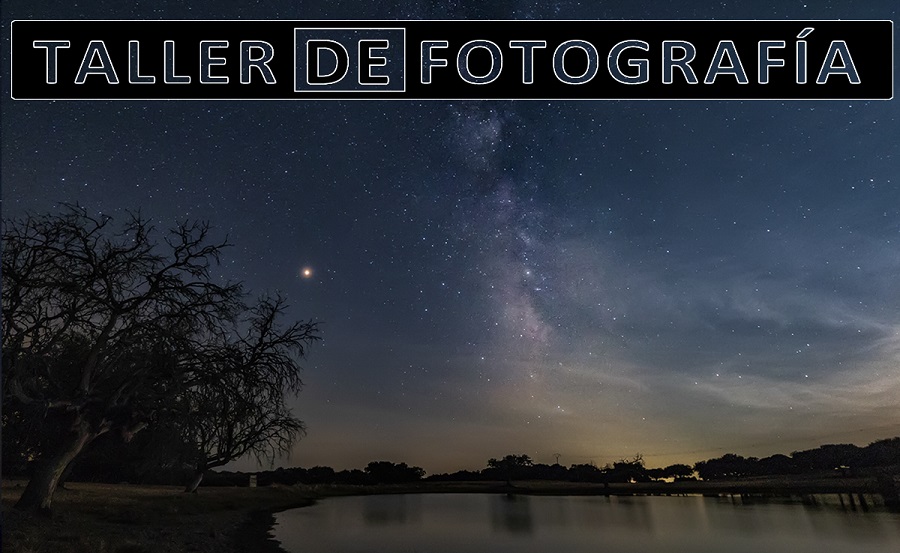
[433, 60]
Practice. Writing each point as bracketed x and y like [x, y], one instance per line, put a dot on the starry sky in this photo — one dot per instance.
[593, 279]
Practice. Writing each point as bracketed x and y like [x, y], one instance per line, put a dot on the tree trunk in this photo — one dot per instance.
[195, 482]
[38, 493]
[61, 484]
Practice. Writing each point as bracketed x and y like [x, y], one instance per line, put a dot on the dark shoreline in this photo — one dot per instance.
[254, 534]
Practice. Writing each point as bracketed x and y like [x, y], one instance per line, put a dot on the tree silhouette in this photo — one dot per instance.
[510, 466]
[386, 472]
[237, 405]
[107, 327]
[627, 470]
[726, 466]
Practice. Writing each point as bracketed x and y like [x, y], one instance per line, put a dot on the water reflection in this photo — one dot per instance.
[392, 509]
[512, 513]
[463, 523]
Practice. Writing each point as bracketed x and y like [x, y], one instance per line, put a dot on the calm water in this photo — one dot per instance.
[469, 523]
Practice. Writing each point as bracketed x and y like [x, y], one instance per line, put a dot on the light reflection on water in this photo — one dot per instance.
[463, 523]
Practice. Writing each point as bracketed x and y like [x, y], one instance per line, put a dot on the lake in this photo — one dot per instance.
[464, 523]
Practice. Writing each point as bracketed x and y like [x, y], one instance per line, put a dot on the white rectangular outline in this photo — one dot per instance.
[294, 82]
[356, 21]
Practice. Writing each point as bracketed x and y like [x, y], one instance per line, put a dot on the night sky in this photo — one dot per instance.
[594, 279]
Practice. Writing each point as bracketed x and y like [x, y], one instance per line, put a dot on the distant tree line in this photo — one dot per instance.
[141, 461]
[832, 459]
[846, 459]
[521, 467]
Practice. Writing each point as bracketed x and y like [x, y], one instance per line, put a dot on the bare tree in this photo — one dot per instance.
[101, 325]
[238, 405]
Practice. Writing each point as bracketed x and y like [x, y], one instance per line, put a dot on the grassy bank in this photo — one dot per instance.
[123, 518]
